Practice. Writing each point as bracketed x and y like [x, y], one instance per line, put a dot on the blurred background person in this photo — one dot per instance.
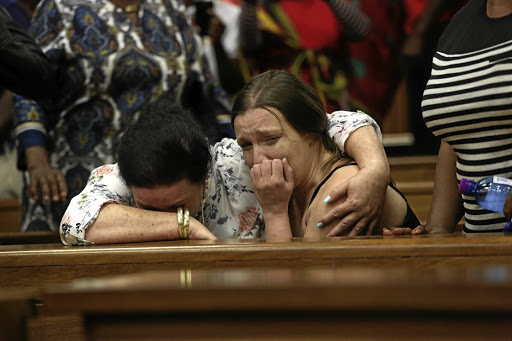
[25, 69]
[308, 38]
[20, 10]
[217, 24]
[425, 22]
[374, 59]
[467, 103]
[117, 56]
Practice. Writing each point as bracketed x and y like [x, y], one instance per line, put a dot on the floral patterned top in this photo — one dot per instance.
[229, 208]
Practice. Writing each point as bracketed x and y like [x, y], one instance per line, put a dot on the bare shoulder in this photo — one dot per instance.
[318, 207]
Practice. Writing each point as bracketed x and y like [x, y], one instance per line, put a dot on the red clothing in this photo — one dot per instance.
[314, 22]
[306, 38]
[413, 10]
[375, 58]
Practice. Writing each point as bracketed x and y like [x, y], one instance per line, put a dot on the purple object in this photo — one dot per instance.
[508, 228]
[463, 185]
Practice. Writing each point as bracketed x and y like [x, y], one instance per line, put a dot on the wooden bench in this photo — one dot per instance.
[10, 215]
[33, 237]
[336, 302]
[35, 265]
[413, 168]
[15, 310]
[414, 177]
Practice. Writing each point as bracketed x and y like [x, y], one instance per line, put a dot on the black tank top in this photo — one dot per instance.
[410, 219]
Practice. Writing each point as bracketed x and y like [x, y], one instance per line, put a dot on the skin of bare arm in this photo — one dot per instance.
[446, 207]
[356, 204]
[393, 212]
[126, 224]
[507, 209]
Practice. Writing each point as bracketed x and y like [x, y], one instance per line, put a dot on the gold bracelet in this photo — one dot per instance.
[186, 221]
[180, 222]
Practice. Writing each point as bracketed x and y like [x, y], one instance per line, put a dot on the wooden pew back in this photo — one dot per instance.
[414, 177]
[10, 215]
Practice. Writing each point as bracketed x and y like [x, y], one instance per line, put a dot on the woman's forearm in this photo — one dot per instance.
[364, 146]
[277, 226]
[125, 224]
[446, 207]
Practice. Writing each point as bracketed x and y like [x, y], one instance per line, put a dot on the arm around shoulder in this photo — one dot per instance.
[359, 135]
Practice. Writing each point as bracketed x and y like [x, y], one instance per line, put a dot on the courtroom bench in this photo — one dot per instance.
[35, 265]
[412, 168]
[414, 177]
[15, 309]
[33, 237]
[10, 215]
[336, 302]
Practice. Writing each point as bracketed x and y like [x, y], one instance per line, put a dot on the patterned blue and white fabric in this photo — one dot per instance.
[112, 67]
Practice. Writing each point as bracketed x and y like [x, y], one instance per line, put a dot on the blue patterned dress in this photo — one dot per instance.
[112, 67]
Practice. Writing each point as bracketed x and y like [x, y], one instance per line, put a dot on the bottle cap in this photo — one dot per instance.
[463, 185]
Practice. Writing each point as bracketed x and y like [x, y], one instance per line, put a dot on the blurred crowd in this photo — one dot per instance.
[106, 58]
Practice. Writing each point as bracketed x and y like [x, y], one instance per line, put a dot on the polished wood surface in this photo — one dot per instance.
[413, 168]
[337, 287]
[15, 309]
[257, 250]
[10, 215]
[38, 237]
[414, 177]
[313, 303]
[34, 265]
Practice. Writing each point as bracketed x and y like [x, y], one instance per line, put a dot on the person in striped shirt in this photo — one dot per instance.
[468, 104]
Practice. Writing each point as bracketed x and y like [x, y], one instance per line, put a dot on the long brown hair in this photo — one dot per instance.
[297, 101]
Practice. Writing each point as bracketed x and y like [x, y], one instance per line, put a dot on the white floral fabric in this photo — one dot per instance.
[229, 208]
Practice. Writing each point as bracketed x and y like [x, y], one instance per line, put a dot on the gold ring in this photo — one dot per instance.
[180, 222]
[186, 222]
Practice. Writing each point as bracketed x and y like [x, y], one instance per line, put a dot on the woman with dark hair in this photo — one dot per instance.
[165, 163]
[114, 56]
[280, 125]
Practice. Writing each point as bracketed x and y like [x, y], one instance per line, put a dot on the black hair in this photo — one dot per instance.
[162, 146]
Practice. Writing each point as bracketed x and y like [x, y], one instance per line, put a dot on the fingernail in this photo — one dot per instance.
[327, 199]
[320, 225]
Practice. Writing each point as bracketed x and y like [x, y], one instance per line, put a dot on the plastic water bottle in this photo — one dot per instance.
[490, 192]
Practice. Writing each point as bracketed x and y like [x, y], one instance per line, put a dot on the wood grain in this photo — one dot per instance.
[322, 303]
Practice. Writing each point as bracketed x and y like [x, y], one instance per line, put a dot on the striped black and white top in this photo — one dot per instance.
[468, 102]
